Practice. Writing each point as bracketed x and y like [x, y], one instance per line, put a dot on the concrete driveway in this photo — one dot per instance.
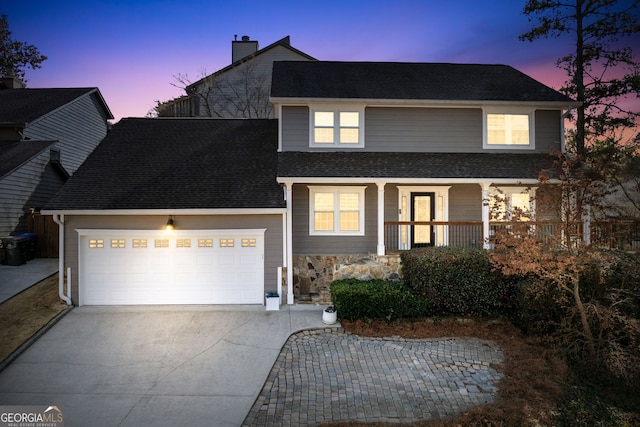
[154, 366]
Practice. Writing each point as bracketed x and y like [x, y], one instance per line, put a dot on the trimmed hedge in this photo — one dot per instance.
[376, 299]
[457, 281]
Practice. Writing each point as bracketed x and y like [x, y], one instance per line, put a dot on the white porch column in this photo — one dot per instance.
[485, 214]
[586, 224]
[289, 240]
[381, 249]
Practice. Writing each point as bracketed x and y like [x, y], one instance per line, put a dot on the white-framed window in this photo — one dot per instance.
[506, 202]
[336, 211]
[337, 127]
[508, 129]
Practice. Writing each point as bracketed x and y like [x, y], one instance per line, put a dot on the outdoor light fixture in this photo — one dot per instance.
[169, 225]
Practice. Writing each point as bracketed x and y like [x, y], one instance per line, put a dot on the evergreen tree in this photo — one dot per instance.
[601, 70]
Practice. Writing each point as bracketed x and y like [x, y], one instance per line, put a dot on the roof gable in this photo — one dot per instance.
[407, 81]
[22, 106]
[178, 164]
[15, 154]
[283, 42]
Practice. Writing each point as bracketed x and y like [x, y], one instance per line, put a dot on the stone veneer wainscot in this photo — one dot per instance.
[313, 274]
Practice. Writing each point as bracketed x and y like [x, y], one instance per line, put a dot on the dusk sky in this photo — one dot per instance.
[131, 49]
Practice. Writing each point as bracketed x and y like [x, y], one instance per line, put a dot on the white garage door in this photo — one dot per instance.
[123, 267]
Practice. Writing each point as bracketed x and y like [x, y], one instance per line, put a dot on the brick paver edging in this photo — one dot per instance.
[328, 375]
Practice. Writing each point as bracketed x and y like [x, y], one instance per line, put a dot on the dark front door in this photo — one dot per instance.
[422, 209]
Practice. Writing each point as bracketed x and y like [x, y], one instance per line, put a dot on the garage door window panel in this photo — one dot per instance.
[183, 243]
[118, 243]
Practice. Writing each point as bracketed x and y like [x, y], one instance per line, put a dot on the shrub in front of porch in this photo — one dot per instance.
[457, 281]
[376, 299]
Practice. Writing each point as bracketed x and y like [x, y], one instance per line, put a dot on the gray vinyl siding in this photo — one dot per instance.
[79, 127]
[465, 203]
[548, 130]
[272, 238]
[246, 84]
[423, 130]
[295, 128]
[30, 186]
[391, 203]
[305, 244]
[405, 129]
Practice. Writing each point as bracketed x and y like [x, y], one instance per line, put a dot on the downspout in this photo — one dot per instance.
[59, 219]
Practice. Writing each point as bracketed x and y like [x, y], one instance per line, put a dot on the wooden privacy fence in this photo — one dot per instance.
[46, 231]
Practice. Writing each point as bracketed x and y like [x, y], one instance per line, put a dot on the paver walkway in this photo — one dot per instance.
[328, 375]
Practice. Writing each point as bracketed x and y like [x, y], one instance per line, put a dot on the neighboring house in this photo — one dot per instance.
[45, 135]
[240, 90]
[358, 154]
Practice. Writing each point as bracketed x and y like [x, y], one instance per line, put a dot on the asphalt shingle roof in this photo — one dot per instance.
[25, 105]
[407, 81]
[14, 154]
[412, 165]
[178, 164]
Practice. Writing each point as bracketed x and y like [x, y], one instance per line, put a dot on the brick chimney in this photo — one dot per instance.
[242, 48]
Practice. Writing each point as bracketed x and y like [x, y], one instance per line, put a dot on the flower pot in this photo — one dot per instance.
[272, 301]
[329, 315]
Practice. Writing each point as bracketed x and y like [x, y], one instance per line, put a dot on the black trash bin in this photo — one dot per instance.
[14, 250]
[30, 245]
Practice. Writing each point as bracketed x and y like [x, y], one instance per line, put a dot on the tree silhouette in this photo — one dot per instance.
[601, 70]
[16, 56]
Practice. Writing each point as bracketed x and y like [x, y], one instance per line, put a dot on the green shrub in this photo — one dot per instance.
[537, 308]
[457, 281]
[621, 276]
[376, 299]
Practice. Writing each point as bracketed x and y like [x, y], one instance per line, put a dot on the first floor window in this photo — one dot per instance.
[336, 211]
[512, 203]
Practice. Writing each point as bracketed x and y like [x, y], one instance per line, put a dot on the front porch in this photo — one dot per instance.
[313, 274]
[403, 235]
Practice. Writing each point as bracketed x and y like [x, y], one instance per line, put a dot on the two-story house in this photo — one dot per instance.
[45, 135]
[363, 160]
[239, 90]
[367, 149]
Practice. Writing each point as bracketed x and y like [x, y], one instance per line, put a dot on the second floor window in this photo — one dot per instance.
[508, 130]
[337, 127]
